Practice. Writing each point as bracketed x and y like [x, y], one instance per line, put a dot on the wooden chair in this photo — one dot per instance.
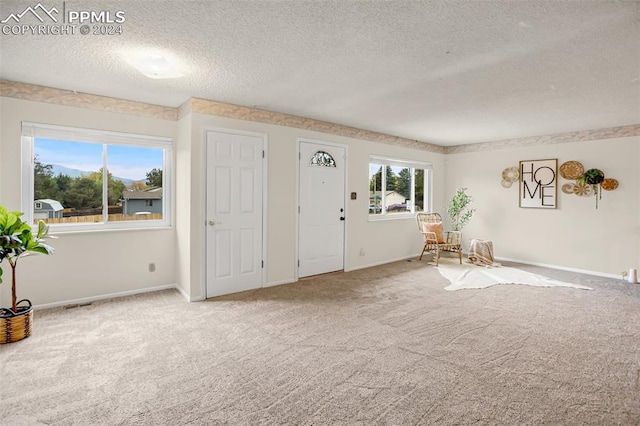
[435, 239]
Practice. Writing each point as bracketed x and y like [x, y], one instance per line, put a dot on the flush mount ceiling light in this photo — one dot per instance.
[154, 64]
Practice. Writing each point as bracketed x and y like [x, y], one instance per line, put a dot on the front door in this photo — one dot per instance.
[322, 209]
[234, 212]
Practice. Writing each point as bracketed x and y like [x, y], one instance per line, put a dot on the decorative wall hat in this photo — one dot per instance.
[588, 182]
[509, 176]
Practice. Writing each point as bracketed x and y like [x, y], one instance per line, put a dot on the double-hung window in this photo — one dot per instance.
[398, 188]
[79, 179]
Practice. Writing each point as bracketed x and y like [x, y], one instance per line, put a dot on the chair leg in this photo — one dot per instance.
[437, 255]
[423, 249]
[460, 256]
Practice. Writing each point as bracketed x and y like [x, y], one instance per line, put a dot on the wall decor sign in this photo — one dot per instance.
[538, 183]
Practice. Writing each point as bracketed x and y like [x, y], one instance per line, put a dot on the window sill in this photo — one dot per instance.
[97, 230]
[396, 216]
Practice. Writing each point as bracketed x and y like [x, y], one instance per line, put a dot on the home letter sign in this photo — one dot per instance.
[538, 183]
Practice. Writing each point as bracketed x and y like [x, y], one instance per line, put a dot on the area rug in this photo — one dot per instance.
[469, 276]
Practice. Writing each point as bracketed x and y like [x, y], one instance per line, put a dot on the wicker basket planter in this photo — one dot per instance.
[17, 239]
[16, 326]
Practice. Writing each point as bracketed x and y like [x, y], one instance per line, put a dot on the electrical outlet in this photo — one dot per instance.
[152, 267]
[361, 252]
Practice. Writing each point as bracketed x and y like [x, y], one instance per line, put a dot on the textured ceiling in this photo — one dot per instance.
[445, 72]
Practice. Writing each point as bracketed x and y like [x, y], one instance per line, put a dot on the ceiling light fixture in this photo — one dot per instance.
[154, 64]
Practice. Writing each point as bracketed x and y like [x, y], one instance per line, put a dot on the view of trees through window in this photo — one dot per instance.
[402, 185]
[69, 185]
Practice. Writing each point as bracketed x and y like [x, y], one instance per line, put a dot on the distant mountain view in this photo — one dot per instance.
[62, 170]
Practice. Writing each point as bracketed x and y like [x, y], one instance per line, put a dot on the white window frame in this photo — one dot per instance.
[413, 165]
[31, 131]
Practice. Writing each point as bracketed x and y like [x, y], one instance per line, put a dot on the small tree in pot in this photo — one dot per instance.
[458, 209]
[16, 241]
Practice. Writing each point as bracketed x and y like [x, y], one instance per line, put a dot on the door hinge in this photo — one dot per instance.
[298, 209]
[263, 263]
[299, 156]
[263, 153]
[298, 263]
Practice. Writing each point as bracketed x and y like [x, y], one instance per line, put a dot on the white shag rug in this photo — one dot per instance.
[469, 276]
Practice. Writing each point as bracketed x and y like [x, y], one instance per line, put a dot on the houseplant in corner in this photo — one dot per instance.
[16, 241]
[458, 209]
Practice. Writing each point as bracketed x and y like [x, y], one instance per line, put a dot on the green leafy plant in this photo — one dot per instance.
[593, 177]
[16, 241]
[458, 209]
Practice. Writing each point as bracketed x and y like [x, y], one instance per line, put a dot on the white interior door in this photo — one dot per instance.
[322, 210]
[234, 212]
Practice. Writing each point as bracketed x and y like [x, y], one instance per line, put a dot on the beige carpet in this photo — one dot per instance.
[386, 345]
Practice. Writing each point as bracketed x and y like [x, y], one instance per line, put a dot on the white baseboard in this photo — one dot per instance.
[544, 265]
[384, 262]
[562, 268]
[85, 300]
[90, 299]
[281, 282]
[184, 294]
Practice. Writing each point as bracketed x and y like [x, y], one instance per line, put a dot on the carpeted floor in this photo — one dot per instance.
[385, 345]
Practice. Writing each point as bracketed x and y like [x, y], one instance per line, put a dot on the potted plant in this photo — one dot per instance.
[593, 177]
[16, 241]
[459, 210]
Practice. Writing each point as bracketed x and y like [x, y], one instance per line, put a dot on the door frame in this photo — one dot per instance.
[297, 204]
[203, 222]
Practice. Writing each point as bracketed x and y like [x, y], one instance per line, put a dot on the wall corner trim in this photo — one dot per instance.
[220, 109]
[582, 136]
[35, 93]
[32, 92]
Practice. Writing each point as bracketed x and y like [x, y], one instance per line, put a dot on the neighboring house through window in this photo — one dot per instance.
[148, 201]
[66, 186]
[47, 209]
[398, 188]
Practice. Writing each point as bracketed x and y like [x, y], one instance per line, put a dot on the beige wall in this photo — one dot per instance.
[183, 198]
[382, 241]
[85, 265]
[117, 261]
[91, 265]
[575, 235]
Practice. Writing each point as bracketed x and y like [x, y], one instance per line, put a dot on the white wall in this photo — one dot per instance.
[183, 198]
[382, 241]
[89, 265]
[85, 265]
[575, 235]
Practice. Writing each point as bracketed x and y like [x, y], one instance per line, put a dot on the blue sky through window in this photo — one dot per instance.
[374, 168]
[124, 161]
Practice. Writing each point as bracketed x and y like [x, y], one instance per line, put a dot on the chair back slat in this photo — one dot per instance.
[431, 217]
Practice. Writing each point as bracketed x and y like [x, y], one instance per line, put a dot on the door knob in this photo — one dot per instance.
[342, 218]
[212, 222]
